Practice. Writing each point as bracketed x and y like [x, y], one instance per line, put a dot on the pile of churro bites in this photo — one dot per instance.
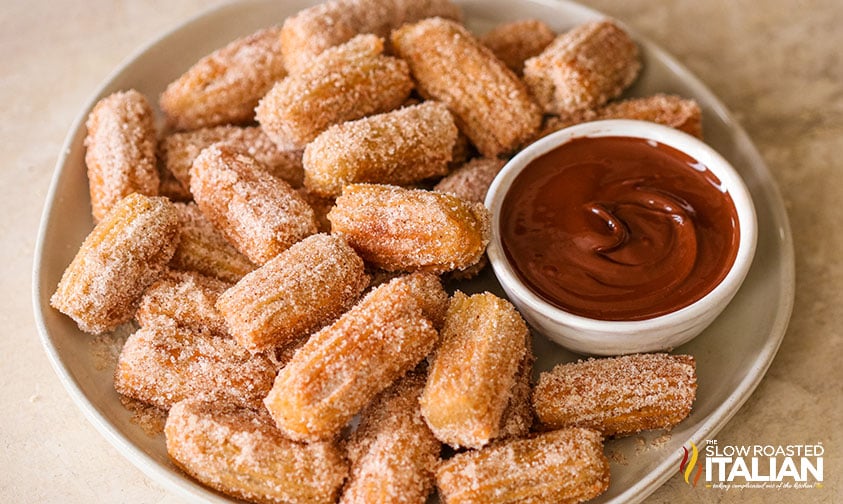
[281, 243]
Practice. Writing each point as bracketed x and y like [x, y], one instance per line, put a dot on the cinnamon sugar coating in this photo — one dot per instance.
[344, 83]
[345, 365]
[225, 86]
[163, 363]
[583, 68]
[120, 150]
[393, 454]
[400, 147]
[471, 181]
[296, 292]
[474, 370]
[518, 417]
[185, 297]
[259, 214]
[619, 395]
[205, 249]
[565, 466]
[401, 229]
[490, 104]
[517, 41]
[240, 453]
[308, 33]
[124, 253]
[180, 149]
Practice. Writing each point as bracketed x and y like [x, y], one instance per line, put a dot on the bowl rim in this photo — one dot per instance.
[715, 299]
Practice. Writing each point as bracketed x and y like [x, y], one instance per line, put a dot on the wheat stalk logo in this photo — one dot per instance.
[686, 467]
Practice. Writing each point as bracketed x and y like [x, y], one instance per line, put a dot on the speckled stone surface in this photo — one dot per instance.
[776, 64]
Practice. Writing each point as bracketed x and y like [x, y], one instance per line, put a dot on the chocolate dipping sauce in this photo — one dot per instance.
[619, 228]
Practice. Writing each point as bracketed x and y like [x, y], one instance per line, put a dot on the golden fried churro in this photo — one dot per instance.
[163, 363]
[186, 297]
[517, 418]
[618, 396]
[490, 104]
[120, 150]
[259, 214]
[565, 466]
[401, 229]
[344, 83]
[345, 365]
[124, 253]
[393, 454]
[179, 150]
[669, 110]
[240, 453]
[473, 370]
[471, 181]
[225, 86]
[313, 30]
[296, 292]
[583, 68]
[400, 147]
[517, 41]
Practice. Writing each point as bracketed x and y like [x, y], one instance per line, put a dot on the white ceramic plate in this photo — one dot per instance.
[732, 355]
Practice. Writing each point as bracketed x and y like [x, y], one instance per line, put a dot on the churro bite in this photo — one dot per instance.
[120, 150]
[225, 86]
[393, 454]
[344, 83]
[471, 181]
[474, 370]
[565, 465]
[619, 395]
[180, 149]
[583, 68]
[239, 452]
[203, 248]
[185, 297]
[401, 229]
[401, 147]
[163, 363]
[259, 214]
[296, 292]
[126, 251]
[315, 29]
[490, 104]
[517, 41]
[345, 365]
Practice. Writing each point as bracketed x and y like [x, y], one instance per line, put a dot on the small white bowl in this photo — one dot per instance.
[605, 337]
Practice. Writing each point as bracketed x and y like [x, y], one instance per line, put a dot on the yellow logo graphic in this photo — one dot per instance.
[689, 461]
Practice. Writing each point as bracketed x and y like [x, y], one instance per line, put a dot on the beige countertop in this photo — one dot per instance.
[776, 64]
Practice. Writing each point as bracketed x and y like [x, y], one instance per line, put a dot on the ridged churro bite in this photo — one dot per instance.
[345, 365]
[126, 251]
[296, 292]
[120, 150]
[566, 465]
[315, 29]
[344, 83]
[670, 110]
[401, 229]
[179, 150]
[185, 297]
[163, 363]
[474, 370]
[583, 68]
[259, 214]
[203, 247]
[225, 86]
[517, 41]
[490, 104]
[239, 452]
[618, 396]
[393, 454]
[471, 181]
[400, 147]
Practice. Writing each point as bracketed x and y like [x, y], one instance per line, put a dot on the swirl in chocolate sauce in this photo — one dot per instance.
[619, 228]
